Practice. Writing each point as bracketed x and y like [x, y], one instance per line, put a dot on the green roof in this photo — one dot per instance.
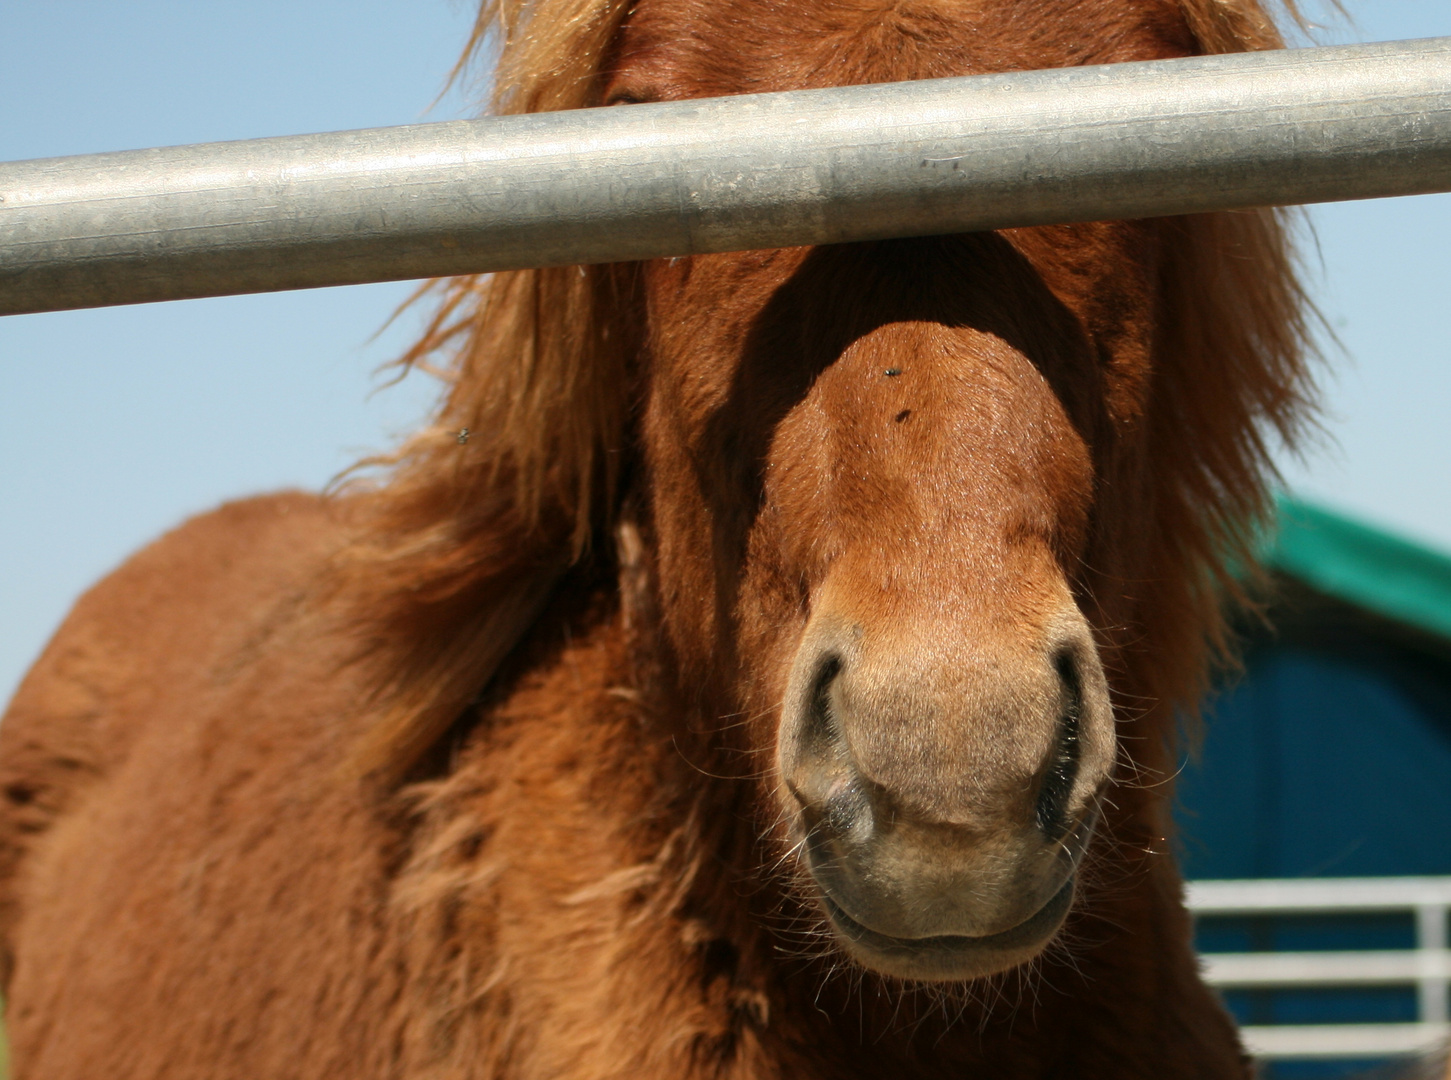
[1363, 566]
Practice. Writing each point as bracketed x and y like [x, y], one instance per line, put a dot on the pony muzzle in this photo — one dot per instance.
[942, 816]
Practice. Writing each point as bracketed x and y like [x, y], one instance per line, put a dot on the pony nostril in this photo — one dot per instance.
[824, 779]
[820, 730]
[1057, 790]
[816, 746]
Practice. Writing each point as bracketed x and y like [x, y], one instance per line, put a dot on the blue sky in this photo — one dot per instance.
[117, 423]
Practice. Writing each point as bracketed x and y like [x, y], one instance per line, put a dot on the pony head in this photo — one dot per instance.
[910, 516]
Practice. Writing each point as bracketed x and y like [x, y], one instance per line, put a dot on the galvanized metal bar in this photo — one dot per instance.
[771, 170]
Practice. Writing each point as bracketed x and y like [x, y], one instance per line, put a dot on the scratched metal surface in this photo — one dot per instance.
[771, 170]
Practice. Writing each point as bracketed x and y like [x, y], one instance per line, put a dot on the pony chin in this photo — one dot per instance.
[950, 957]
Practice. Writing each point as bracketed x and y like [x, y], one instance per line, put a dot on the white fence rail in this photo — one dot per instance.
[1427, 966]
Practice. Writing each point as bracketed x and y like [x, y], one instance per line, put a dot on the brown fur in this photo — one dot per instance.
[465, 773]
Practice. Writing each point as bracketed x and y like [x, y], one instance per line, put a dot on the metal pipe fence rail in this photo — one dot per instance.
[770, 170]
[1427, 967]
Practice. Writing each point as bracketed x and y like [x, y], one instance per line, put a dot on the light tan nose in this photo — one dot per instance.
[952, 727]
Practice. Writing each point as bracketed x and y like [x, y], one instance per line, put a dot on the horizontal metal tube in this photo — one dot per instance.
[723, 174]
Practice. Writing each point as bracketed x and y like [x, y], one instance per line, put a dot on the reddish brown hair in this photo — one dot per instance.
[462, 540]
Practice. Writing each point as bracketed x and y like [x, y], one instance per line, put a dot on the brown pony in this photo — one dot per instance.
[776, 679]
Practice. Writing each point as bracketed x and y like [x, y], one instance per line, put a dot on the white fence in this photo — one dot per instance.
[1427, 967]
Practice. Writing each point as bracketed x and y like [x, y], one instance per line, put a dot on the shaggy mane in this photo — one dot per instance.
[464, 536]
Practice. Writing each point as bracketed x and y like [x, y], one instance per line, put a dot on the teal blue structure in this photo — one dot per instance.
[1330, 756]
